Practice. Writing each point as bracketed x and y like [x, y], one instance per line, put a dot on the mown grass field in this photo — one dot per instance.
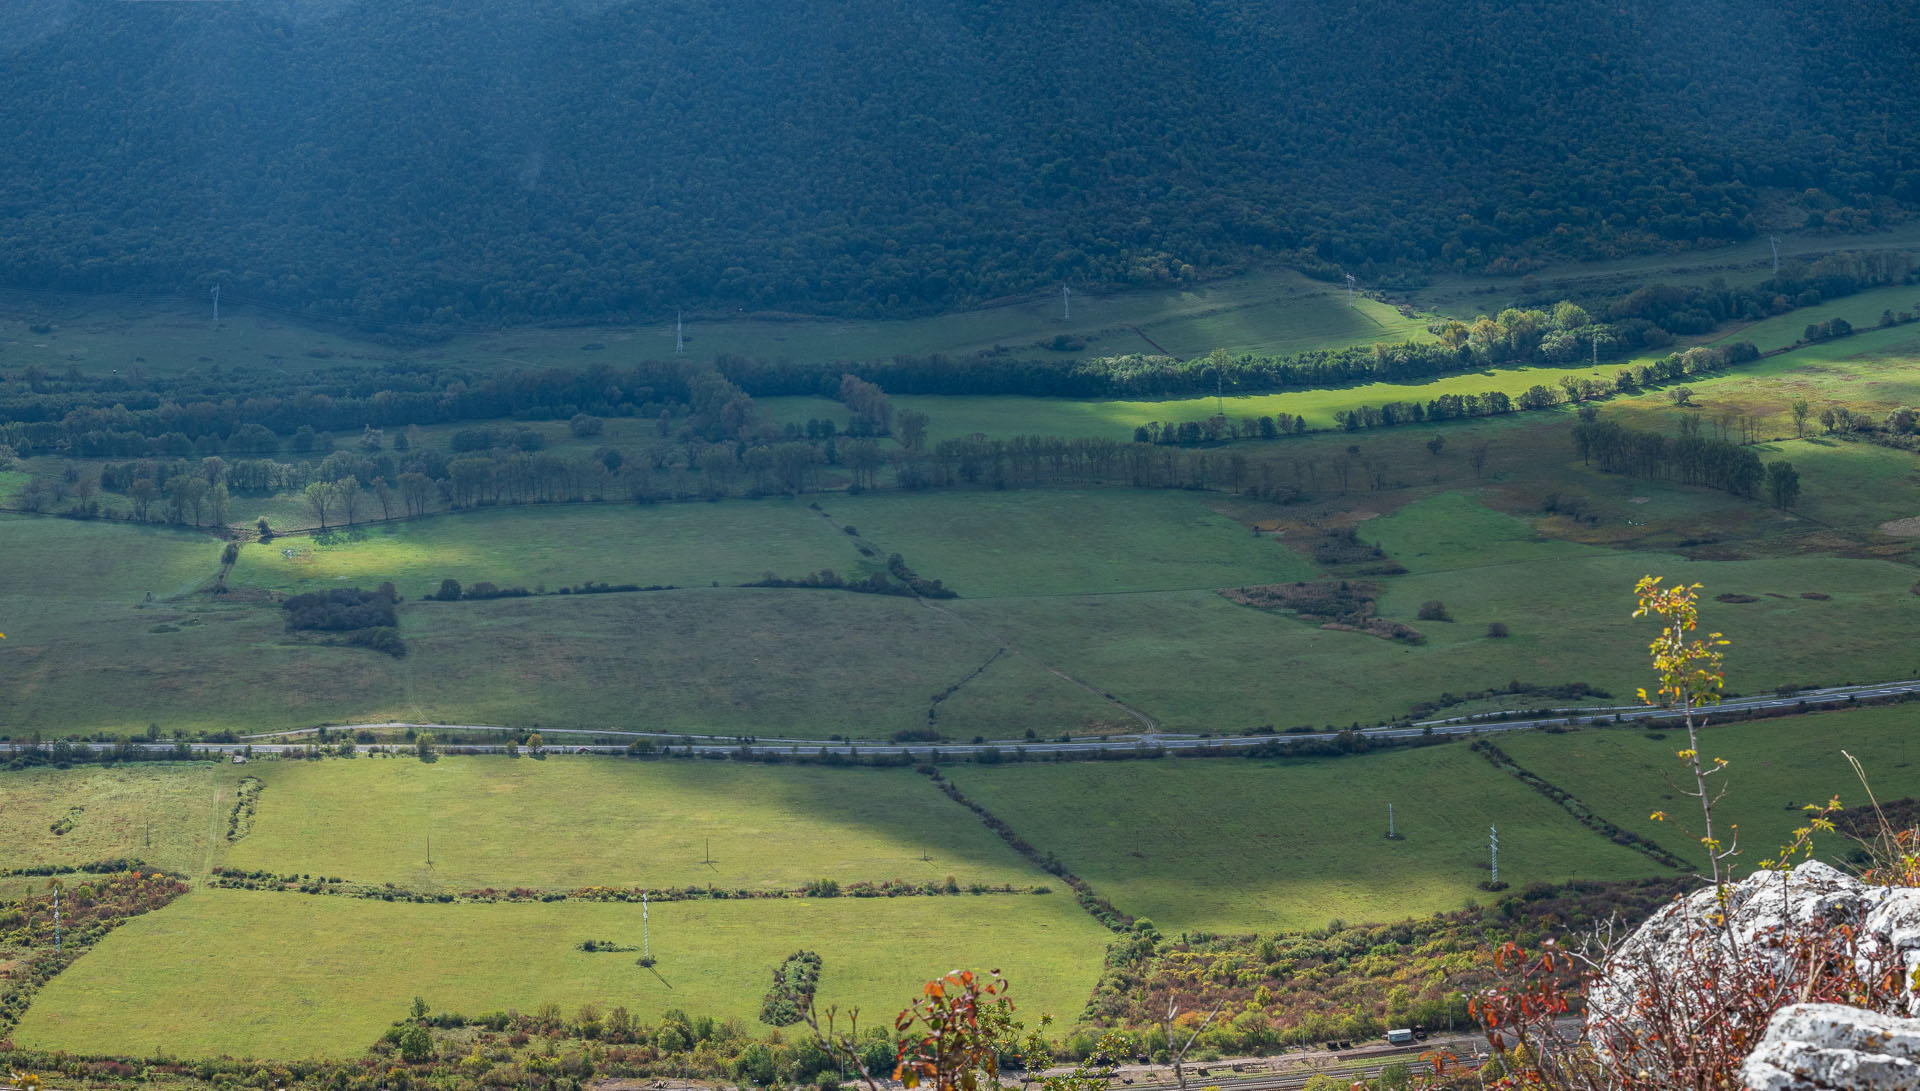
[1244, 846]
[1058, 542]
[584, 821]
[1197, 662]
[684, 545]
[289, 976]
[786, 663]
[1777, 767]
[171, 815]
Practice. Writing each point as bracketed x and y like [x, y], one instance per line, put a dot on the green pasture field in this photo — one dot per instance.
[1057, 542]
[172, 815]
[290, 976]
[86, 651]
[1197, 662]
[684, 545]
[1240, 846]
[1268, 311]
[167, 336]
[566, 821]
[1777, 767]
[1862, 310]
[777, 663]
[1746, 262]
[1005, 416]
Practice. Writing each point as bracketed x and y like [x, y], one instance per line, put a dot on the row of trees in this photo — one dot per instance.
[1690, 458]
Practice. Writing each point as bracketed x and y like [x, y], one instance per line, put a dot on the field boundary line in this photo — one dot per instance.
[1149, 722]
[1091, 900]
[1571, 804]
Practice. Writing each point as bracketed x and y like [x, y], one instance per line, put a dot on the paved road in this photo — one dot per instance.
[1150, 742]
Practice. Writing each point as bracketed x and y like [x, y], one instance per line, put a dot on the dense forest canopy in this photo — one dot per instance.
[443, 161]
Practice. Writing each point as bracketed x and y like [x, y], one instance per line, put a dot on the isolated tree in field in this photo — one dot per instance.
[1437, 444]
[1799, 409]
[1682, 395]
[1783, 484]
[535, 743]
[1477, 458]
[320, 497]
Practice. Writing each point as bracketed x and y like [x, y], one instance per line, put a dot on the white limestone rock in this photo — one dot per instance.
[1807, 899]
[1826, 1047]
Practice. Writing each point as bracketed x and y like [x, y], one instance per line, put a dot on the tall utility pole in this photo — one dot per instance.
[1066, 302]
[1350, 283]
[1775, 242]
[216, 304]
[1389, 821]
[679, 332]
[56, 917]
[646, 933]
[1493, 840]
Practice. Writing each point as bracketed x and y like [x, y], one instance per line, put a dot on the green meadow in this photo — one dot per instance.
[1776, 767]
[580, 821]
[1244, 846]
[684, 545]
[172, 815]
[1059, 542]
[291, 976]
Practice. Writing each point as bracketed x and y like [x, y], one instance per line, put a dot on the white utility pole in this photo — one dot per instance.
[1775, 242]
[1066, 302]
[646, 934]
[216, 304]
[679, 332]
[1389, 820]
[56, 918]
[1493, 840]
[1350, 283]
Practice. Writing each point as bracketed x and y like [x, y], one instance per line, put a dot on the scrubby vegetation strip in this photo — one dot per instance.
[1348, 982]
[1101, 909]
[246, 800]
[1347, 605]
[1573, 806]
[245, 879]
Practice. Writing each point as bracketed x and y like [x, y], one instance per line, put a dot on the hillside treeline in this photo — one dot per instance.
[431, 162]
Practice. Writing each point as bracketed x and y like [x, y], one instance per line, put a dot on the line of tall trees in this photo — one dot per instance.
[1690, 458]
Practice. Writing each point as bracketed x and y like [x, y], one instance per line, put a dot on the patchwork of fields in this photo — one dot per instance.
[1090, 610]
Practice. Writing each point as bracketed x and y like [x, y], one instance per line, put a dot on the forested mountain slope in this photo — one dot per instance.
[447, 160]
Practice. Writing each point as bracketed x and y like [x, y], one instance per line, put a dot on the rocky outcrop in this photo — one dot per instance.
[1764, 913]
[1826, 1047]
[1769, 936]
